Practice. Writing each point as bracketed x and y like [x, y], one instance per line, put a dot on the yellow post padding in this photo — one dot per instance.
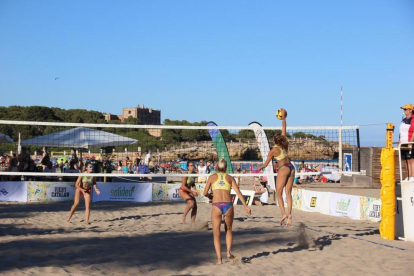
[387, 226]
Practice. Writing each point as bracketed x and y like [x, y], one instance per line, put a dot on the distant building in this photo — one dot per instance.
[146, 116]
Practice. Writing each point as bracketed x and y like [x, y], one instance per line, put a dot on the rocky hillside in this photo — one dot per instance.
[299, 148]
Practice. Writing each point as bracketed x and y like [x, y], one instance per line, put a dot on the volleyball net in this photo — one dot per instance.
[162, 151]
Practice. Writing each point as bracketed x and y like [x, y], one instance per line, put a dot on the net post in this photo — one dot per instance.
[359, 150]
[340, 151]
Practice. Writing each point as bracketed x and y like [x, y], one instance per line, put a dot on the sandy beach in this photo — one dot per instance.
[147, 238]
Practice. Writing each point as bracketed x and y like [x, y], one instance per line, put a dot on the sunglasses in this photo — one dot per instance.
[405, 109]
[90, 167]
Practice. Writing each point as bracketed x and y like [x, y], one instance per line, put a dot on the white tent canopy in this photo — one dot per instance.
[80, 137]
[5, 138]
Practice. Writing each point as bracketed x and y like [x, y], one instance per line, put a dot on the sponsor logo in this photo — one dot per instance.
[342, 206]
[122, 193]
[313, 202]
[4, 192]
[375, 212]
[60, 192]
[176, 195]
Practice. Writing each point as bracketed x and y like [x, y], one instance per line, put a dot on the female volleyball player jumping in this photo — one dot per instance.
[286, 171]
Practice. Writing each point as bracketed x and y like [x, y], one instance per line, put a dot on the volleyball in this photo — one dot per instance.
[279, 114]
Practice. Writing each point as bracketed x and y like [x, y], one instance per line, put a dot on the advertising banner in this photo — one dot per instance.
[248, 196]
[342, 205]
[43, 191]
[296, 198]
[13, 191]
[314, 201]
[123, 191]
[263, 144]
[169, 192]
[347, 164]
[370, 208]
[407, 195]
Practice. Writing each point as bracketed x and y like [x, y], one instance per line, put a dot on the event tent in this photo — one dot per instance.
[5, 138]
[80, 138]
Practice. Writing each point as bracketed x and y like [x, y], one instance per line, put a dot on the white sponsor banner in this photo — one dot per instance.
[263, 144]
[60, 191]
[407, 195]
[42, 191]
[370, 208]
[314, 201]
[173, 193]
[13, 191]
[342, 205]
[169, 192]
[123, 191]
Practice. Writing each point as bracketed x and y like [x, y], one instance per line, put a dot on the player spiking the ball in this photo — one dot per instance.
[286, 170]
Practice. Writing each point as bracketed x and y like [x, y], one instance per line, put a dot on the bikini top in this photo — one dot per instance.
[87, 179]
[221, 183]
[282, 154]
[190, 180]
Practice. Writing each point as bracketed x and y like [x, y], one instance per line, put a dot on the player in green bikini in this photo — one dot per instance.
[83, 187]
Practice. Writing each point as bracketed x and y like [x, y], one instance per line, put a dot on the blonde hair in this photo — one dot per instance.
[222, 165]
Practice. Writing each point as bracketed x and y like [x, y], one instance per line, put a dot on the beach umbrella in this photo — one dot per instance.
[5, 138]
[80, 138]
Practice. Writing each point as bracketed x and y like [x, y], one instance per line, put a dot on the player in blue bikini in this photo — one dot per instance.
[221, 184]
[286, 171]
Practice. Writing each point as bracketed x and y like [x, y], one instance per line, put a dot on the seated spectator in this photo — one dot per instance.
[263, 192]
[50, 169]
[71, 169]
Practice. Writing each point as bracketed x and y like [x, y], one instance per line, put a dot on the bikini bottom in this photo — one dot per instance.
[223, 206]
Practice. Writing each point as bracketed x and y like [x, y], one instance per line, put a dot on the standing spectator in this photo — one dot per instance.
[45, 157]
[406, 136]
[74, 157]
[208, 167]
[151, 165]
[125, 164]
[13, 163]
[202, 169]
[138, 158]
[302, 169]
[238, 168]
[22, 159]
[147, 158]
[61, 165]
[2, 161]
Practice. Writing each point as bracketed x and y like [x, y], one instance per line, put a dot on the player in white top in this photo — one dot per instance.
[202, 169]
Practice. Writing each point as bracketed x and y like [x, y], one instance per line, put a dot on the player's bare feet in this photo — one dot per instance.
[282, 221]
[289, 220]
[183, 219]
[219, 261]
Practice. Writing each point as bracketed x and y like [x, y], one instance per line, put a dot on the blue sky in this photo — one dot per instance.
[231, 62]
